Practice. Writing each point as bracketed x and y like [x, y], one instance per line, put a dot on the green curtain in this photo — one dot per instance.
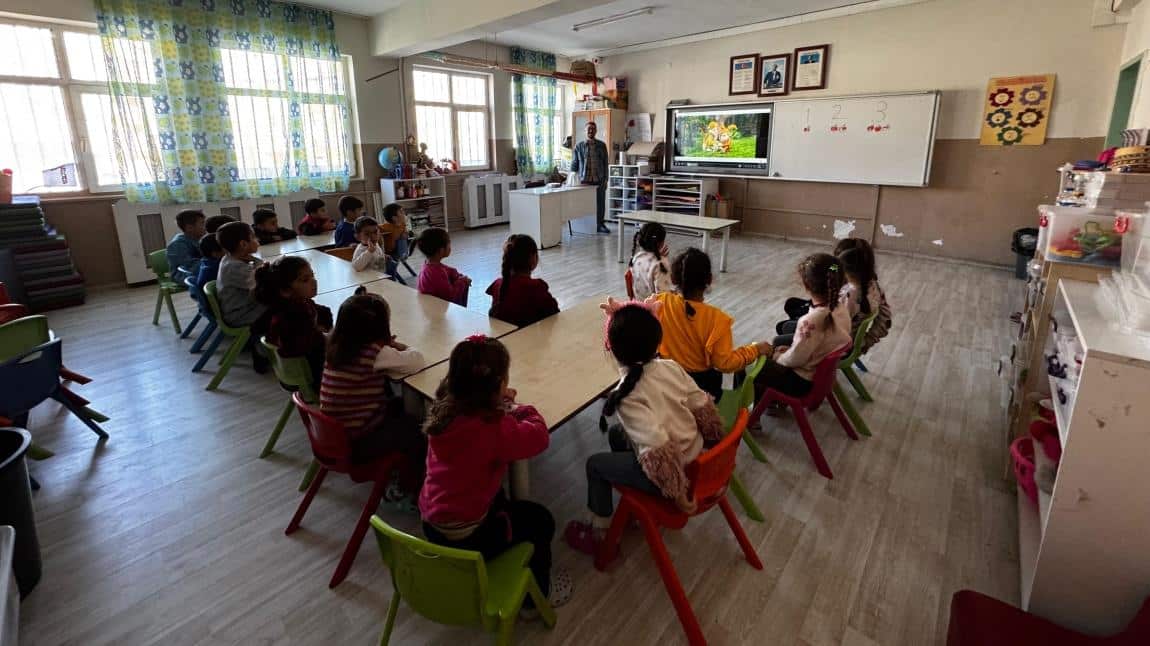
[535, 113]
[225, 99]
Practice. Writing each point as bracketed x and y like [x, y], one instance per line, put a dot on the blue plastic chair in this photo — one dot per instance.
[205, 311]
[192, 288]
[34, 376]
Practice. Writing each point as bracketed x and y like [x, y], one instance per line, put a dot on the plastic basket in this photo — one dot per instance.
[1022, 455]
[1046, 434]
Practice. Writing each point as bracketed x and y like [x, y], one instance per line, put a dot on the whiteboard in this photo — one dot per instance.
[874, 139]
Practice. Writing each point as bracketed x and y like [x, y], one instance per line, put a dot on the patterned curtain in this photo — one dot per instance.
[535, 113]
[225, 99]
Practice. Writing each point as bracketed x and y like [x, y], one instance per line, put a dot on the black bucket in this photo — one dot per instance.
[16, 507]
[1023, 243]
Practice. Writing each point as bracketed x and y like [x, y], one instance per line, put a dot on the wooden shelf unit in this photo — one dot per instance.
[433, 206]
[682, 195]
[1083, 551]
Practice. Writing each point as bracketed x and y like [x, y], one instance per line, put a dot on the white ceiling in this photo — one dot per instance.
[671, 19]
[357, 7]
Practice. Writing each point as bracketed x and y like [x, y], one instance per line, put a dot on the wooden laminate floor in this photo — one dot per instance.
[171, 532]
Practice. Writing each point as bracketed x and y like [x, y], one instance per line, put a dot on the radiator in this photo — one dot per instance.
[485, 199]
[143, 227]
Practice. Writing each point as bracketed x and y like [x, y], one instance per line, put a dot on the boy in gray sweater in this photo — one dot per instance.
[235, 282]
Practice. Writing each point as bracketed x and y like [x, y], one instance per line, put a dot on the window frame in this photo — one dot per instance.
[486, 110]
[73, 90]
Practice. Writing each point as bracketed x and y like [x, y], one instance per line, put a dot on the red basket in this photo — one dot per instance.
[1022, 454]
[1046, 434]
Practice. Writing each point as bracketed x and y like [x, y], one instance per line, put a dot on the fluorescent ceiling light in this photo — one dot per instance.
[616, 18]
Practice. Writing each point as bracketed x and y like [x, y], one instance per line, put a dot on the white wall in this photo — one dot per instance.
[951, 45]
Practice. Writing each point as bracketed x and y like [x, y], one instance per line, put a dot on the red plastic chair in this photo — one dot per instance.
[332, 449]
[821, 389]
[979, 620]
[630, 279]
[709, 474]
[11, 312]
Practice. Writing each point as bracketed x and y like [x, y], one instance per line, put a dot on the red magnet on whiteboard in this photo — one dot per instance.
[834, 128]
[886, 127]
[807, 129]
[843, 128]
[870, 128]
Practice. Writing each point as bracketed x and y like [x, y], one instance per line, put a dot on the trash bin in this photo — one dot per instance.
[16, 507]
[1023, 243]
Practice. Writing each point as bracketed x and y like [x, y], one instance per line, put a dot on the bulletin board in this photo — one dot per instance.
[1017, 110]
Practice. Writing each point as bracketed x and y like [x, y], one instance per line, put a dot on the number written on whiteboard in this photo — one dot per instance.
[838, 122]
[879, 125]
[807, 121]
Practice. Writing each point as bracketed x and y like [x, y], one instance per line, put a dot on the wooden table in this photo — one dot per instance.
[558, 365]
[429, 324]
[704, 225]
[334, 274]
[299, 243]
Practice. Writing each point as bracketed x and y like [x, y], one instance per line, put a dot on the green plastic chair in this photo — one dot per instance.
[158, 263]
[729, 406]
[23, 334]
[458, 587]
[239, 336]
[846, 366]
[294, 374]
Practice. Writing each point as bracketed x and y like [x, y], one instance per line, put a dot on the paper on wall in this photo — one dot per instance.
[638, 126]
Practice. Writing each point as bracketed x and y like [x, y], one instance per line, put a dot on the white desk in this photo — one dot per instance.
[541, 212]
[298, 243]
[692, 222]
[431, 325]
[332, 273]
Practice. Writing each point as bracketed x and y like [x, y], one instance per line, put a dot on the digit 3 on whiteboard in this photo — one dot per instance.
[880, 124]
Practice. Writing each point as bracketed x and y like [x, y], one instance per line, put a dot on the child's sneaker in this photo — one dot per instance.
[582, 537]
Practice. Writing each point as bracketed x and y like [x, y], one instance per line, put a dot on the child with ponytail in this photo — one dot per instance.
[516, 297]
[298, 325]
[698, 336]
[474, 430]
[862, 292]
[666, 420]
[650, 265]
[822, 330]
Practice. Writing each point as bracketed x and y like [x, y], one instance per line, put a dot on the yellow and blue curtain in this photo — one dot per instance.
[181, 70]
[534, 101]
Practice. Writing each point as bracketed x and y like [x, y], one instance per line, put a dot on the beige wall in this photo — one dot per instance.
[977, 195]
[1136, 44]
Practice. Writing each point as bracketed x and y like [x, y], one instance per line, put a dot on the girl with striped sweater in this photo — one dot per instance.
[362, 357]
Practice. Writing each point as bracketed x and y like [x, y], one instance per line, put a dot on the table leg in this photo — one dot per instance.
[707, 243]
[723, 253]
[622, 225]
[517, 476]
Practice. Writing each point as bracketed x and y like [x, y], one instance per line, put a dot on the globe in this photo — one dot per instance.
[389, 158]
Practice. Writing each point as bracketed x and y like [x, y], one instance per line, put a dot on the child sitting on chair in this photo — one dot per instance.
[315, 220]
[235, 284]
[210, 266]
[650, 264]
[516, 297]
[369, 253]
[267, 227]
[394, 232]
[287, 285]
[350, 209]
[184, 248]
[666, 420]
[437, 279]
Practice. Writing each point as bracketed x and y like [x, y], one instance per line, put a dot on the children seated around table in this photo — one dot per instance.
[665, 421]
[822, 330]
[474, 430]
[315, 219]
[350, 209]
[862, 292]
[235, 283]
[650, 263]
[369, 252]
[394, 232]
[696, 335]
[298, 325]
[213, 223]
[436, 278]
[267, 227]
[516, 297]
[212, 253]
[184, 248]
[362, 355]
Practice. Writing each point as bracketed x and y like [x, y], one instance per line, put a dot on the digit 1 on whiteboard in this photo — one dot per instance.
[807, 123]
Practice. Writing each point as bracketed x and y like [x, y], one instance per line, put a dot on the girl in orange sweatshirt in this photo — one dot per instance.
[698, 336]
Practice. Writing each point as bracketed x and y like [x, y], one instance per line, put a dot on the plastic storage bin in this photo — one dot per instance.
[1022, 455]
[1084, 236]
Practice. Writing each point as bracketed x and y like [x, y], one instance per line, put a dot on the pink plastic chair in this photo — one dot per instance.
[332, 449]
[821, 389]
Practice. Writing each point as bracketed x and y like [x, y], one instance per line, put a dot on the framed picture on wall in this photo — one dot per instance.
[774, 74]
[743, 77]
[811, 67]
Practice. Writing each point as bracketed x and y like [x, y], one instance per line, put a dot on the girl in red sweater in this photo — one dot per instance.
[474, 429]
[518, 298]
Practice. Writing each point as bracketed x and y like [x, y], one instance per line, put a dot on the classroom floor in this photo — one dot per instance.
[172, 531]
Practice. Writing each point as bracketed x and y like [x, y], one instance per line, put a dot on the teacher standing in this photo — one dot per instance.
[589, 161]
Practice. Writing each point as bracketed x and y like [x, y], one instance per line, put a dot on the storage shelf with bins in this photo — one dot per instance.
[624, 193]
[428, 209]
[1083, 550]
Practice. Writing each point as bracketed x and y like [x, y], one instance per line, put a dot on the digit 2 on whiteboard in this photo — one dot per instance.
[838, 123]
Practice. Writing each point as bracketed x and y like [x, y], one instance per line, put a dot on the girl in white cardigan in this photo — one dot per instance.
[666, 420]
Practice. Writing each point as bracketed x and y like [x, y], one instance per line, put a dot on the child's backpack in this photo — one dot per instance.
[881, 325]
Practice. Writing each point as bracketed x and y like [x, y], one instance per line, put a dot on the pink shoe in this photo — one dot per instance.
[580, 537]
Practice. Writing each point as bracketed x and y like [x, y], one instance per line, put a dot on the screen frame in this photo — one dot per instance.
[716, 165]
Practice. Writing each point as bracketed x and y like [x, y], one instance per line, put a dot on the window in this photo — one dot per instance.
[55, 109]
[452, 113]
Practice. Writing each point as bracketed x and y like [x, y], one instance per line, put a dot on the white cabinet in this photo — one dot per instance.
[541, 212]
